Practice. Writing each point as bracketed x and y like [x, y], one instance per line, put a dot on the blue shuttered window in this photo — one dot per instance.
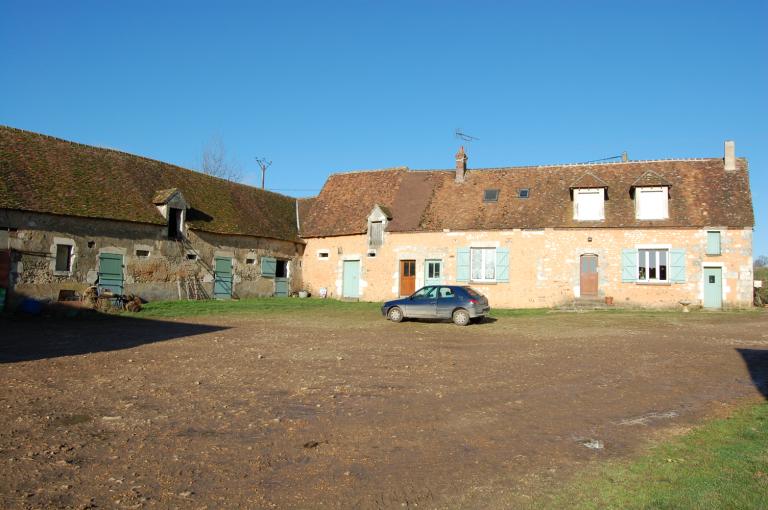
[268, 267]
[628, 265]
[462, 265]
[502, 264]
[677, 266]
[713, 243]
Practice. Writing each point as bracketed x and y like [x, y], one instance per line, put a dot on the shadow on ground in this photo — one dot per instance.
[26, 339]
[757, 364]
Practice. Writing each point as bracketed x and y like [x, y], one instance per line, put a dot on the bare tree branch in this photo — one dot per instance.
[215, 162]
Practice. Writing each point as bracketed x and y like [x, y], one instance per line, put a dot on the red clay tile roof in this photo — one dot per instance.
[704, 194]
[589, 180]
[346, 200]
[305, 205]
[46, 174]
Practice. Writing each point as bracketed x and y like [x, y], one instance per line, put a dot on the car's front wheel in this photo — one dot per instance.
[461, 317]
[395, 314]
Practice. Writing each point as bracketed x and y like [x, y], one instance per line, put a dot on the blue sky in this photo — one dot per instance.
[321, 87]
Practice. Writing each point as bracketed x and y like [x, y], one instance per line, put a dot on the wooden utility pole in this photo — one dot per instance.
[264, 164]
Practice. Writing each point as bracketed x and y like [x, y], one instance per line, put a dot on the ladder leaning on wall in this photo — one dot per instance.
[192, 284]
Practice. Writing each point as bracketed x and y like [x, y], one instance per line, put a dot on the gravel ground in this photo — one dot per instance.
[332, 411]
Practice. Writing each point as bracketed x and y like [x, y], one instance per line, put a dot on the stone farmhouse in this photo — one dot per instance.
[642, 233]
[72, 216]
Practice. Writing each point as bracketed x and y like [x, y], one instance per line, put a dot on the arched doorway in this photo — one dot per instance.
[588, 280]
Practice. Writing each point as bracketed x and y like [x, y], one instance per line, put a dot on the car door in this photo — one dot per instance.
[447, 300]
[422, 304]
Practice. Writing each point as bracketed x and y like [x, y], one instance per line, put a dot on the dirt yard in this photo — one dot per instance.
[333, 411]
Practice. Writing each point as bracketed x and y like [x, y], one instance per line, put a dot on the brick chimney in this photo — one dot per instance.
[730, 155]
[461, 164]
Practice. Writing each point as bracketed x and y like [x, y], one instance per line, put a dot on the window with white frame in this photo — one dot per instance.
[483, 264]
[589, 204]
[652, 265]
[323, 254]
[652, 203]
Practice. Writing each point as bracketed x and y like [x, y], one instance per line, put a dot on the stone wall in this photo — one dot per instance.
[544, 264]
[160, 276]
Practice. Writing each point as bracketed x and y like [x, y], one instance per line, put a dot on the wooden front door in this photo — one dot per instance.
[407, 277]
[588, 275]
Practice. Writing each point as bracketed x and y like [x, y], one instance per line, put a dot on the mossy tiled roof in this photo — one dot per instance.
[45, 174]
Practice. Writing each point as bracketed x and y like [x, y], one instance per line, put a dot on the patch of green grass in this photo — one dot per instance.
[254, 306]
[722, 464]
[519, 312]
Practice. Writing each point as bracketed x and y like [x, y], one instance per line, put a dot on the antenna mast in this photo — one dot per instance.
[263, 164]
[461, 135]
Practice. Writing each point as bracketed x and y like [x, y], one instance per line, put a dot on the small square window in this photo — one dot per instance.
[523, 193]
[250, 261]
[323, 254]
[191, 256]
[372, 253]
[63, 257]
[491, 195]
[142, 254]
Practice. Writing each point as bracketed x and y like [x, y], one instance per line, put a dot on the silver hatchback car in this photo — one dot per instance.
[459, 303]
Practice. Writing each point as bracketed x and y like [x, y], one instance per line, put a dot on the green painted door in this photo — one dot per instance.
[351, 279]
[111, 273]
[222, 278]
[433, 269]
[282, 287]
[713, 287]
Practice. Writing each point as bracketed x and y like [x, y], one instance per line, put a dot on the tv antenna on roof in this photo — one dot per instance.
[463, 136]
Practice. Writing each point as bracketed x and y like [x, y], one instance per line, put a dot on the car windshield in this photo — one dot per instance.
[425, 293]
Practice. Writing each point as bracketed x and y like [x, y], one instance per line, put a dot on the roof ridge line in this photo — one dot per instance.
[559, 165]
[370, 170]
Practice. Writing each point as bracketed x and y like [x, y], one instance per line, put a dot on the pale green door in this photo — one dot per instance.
[222, 278]
[432, 271]
[351, 279]
[713, 287]
[111, 273]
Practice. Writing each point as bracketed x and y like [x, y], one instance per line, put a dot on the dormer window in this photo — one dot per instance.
[377, 224]
[173, 207]
[589, 204]
[652, 203]
[491, 195]
[376, 234]
[175, 218]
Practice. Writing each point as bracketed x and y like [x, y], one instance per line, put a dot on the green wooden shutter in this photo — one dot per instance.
[628, 265]
[268, 267]
[713, 243]
[677, 266]
[502, 264]
[462, 265]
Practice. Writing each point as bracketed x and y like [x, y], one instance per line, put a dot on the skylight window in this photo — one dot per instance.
[523, 193]
[491, 195]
